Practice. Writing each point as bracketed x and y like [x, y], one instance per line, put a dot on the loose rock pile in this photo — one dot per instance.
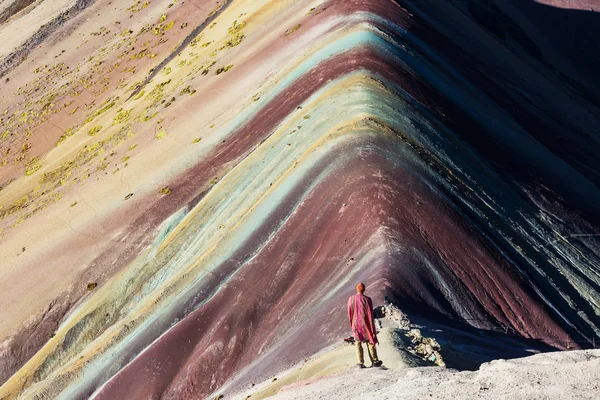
[428, 348]
[424, 347]
[393, 313]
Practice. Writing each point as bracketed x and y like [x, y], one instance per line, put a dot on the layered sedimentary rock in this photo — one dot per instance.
[190, 190]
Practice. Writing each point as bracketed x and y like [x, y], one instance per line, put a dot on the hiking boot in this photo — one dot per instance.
[378, 363]
[360, 366]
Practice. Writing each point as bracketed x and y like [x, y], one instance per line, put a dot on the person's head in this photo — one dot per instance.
[360, 288]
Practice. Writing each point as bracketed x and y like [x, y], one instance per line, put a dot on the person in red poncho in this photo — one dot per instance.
[360, 312]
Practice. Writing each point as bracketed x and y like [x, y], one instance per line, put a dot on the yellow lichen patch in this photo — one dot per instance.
[161, 134]
[165, 190]
[141, 54]
[207, 68]
[130, 69]
[138, 6]
[170, 102]
[55, 88]
[187, 90]
[195, 40]
[122, 116]
[122, 82]
[104, 106]
[32, 166]
[126, 33]
[234, 41]
[160, 29]
[236, 27]
[139, 95]
[15, 207]
[145, 118]
[157, 93]
[61, 139]
[197, 140]
[134, 86]
[94, 131]
[21, 203]
[292, 30]
[236, 35]
[103, 31]
[224, 69]
[57, 177]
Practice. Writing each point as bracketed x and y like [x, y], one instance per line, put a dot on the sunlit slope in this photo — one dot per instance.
[190, 190]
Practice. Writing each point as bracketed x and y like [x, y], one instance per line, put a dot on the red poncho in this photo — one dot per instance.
[360, 312]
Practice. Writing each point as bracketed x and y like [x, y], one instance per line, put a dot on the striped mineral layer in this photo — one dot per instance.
[191, 189]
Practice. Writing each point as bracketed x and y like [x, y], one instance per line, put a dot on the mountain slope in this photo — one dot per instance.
[191, 189]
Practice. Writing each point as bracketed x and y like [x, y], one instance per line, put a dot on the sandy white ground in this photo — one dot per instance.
[565, 375]
[333, 376]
